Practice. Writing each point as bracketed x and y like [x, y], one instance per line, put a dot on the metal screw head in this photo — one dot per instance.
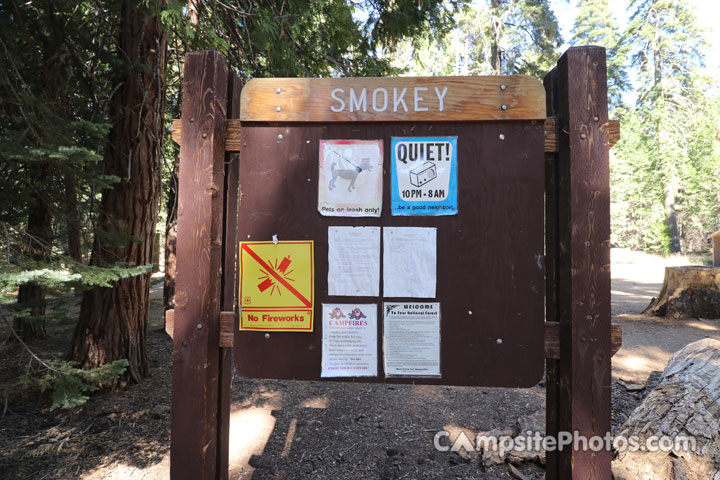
[267, 335]
[204, 135]
[596, 118]
[278, 109]
[583, 136]
[277, 90]
[503, 107]
[503, 86]
[499, 341]
[501, 136]
[192, 119]
[199, 326]
[280, 137]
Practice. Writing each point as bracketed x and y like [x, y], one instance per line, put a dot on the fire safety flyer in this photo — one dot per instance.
[349, 340]
[411, 339]
[276, 286]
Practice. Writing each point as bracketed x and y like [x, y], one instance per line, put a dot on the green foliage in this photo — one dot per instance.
[665, 172]
[67, 276]
[490, 37]
[70, 384]
[595, 25]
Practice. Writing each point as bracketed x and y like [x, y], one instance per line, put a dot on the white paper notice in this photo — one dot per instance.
[349, 340]
[409, 262]
[354, 261]
[411, 339]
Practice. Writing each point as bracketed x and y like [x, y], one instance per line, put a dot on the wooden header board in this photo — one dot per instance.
[420, 99]
[490, 271]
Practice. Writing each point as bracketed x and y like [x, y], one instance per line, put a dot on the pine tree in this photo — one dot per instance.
[666, 47]
[113, 321]
[492, 37]
[665, 168]
[595, 25]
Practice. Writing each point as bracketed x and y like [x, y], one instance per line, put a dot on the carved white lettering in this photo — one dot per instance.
[385, 99]
[333, 94]
[419, 99]
[441, 97]
[356, 102]
[378, 99]
[398, 100]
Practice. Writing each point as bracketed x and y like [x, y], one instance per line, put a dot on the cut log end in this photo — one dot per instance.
[688, 292]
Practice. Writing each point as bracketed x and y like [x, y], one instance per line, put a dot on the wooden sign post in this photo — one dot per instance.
[511, 289]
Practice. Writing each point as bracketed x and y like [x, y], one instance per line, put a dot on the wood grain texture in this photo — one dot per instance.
[583, 259]
[489, 271]
[372, 99]
[684, 405]
[550, 144]
[193, 452]
[552, 339]
[228, 299]
[552, 247]
[552, 134]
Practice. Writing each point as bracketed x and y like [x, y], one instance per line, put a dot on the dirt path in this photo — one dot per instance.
[298, 430]
[648, 342]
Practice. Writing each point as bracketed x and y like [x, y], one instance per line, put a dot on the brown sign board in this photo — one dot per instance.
[490, 271]
[420, 99]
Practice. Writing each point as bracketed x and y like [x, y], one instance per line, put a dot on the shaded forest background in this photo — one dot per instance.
[88, 172]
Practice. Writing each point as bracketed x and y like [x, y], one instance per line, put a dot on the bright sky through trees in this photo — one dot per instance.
[707, 12]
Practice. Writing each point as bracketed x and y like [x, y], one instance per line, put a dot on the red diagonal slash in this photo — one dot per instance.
[277, 277]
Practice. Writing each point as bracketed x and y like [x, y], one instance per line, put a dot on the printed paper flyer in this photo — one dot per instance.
[411, 339]
[424, 176]
[349, 344]
[350, 178]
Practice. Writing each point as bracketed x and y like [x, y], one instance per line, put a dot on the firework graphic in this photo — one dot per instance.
[268, 282]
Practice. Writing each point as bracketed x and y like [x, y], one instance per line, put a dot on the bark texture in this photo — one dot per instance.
[686, 403]
[688, 292]
[32, 295]
[113, 321]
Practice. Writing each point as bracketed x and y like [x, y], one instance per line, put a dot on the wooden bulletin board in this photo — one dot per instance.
[490, 271]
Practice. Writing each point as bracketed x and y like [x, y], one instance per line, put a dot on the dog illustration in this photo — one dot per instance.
[348, 173]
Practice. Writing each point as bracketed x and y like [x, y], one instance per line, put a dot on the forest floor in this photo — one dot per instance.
[297, 430]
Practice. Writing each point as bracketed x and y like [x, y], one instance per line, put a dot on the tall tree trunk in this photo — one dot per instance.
[171, 225]
[72, 219]
[669, 190]
[670, 182]
[113, 321]
[31, 295]
[171, 242]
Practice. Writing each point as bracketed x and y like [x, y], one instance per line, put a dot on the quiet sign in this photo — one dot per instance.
[424, 175]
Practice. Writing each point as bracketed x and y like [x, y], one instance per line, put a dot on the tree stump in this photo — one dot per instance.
[686, 403]
[688, 292]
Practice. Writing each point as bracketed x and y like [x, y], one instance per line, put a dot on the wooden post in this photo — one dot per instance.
[551, 275]
[196, 352]
[579, 382]
[229, 280]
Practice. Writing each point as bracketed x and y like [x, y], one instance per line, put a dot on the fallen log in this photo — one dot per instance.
[685, 408]
[688, 292]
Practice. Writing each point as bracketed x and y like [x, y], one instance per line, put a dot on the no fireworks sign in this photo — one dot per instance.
[424, 175]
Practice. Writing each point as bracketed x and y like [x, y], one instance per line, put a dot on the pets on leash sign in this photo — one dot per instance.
[424, 176]
[350, 178]
[276, 286]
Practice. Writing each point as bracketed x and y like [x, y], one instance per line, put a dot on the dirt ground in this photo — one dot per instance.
[297, 430]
